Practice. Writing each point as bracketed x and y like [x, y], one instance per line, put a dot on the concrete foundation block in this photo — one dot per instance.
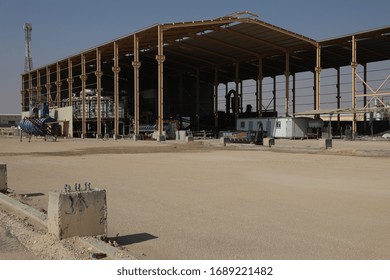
[3, 176]
[223, 140]
[78, 213]
[268, 142]
[189, 139]
[325, 143]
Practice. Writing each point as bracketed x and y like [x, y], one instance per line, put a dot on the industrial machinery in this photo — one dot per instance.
[36, 125]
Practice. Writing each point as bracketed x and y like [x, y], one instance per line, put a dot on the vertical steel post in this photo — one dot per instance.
[181, 92]
[116, 71]
[30, 89]
[160, 59]
[216, 83]
[227, 105]
[83, 78]
[70, 81]
[98, 75]
[318, 78]
[354, 68]
[23, 93]
[274, 93]
[338, 99]
[136, 65]
[237, 81]
[58, 84]
[38, 88]
[365, 97]
[293, 92]
[197, 105]
[48, 87]
[241, 95]
[259, 92]
[287, 77]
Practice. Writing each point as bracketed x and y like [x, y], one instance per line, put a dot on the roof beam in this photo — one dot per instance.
[246, 36]
[280, 30]
[229, 45]
[214, 53]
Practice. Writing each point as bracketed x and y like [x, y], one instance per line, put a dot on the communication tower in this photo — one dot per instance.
[28, 66]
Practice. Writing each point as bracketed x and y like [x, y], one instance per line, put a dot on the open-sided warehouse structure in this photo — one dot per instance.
[174, 70]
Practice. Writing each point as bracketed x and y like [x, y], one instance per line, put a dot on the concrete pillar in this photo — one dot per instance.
[268, 142]
[3, 176]
[325, 143]
[77, 213]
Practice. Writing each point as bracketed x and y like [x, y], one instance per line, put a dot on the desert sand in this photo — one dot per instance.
[204, 201]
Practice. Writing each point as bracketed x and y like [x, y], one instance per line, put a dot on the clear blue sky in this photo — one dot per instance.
[62, 28]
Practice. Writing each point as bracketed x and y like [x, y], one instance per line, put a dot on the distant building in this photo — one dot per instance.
[9, 120]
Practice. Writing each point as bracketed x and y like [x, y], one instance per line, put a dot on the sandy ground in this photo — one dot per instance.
[204, 201]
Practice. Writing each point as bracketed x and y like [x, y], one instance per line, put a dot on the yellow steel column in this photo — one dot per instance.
[83, 78]
[318, 78]
[38, 88]
[354, 67]
[259, 92]
[274, 93]
[30, 90]
[48, 87]
[287, 77]
[98, 75]
[136, 64]
[116, 69]
[216, 83]
[70, 81]
[338, 99]
[23, 93]
[237, 81]
[160, 59]
[58, 84]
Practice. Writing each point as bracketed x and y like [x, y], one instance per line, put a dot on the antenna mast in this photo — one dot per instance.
[28, 66]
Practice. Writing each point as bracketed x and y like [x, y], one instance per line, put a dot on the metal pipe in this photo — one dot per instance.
[364, 93]
[293, 92]
[274, 93]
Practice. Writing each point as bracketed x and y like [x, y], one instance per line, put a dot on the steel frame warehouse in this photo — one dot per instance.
[227, 49]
